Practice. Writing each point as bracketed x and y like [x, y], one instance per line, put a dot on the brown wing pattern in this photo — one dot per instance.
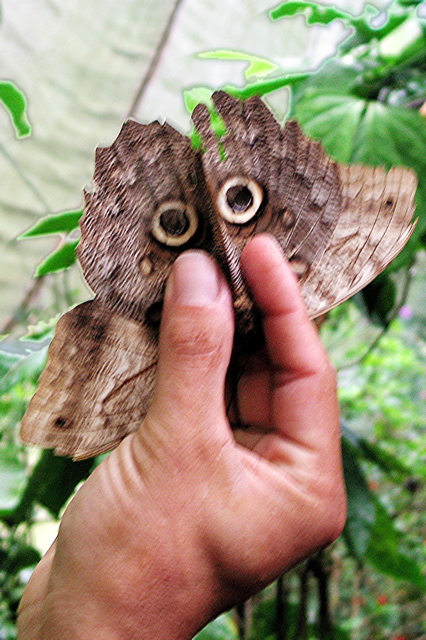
[373, 226]
[97, 385]
[147, 166]
[340, 226]
[300, 183]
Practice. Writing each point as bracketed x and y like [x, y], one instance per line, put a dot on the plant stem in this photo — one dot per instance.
[155, 59]
[281, 614]
[301, 632]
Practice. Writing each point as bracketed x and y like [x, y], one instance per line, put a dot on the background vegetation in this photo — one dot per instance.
[365, 104]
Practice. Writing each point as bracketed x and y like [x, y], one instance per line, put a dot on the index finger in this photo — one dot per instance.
[304, 387]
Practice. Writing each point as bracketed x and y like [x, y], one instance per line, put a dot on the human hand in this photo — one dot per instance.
[185, 519]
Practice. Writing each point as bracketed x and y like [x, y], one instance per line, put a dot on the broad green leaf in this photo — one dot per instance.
[337, 76]
[361, 505]
[365, 131]
[20, 557]
[257, 67]
[223, 628]
[16, 104]
[385, 554]
[332, 119]
[315, 13]
[354, 130]
[51, 483]
[376, 454]
[63, 222]
[60, 259]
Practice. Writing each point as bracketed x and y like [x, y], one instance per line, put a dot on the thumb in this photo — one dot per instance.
[195, 345]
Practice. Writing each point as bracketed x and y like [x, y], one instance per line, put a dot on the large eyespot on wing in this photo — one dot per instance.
[239, 199]
[174, 223]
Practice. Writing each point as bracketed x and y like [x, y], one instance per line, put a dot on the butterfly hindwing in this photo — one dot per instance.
[97, 384]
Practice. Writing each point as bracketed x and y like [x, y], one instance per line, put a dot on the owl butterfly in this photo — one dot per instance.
[156, 196]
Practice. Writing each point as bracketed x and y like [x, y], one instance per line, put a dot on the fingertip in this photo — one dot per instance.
[270, 276]
[194, 281]
[264, 243]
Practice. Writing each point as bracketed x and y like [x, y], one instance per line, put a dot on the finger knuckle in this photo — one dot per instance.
[331, 509]
[191, 337]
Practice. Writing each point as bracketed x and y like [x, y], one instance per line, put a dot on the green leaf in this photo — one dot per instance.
[197, 95]
[354, 130]
[376, 454]
[263, 87]
[334, 77]
[223, 628]
[63, 222]
[366, 131]
[17, 367]
[332, 119]
[60, 259]
[315, 13]
[20, 557]
[361, 504]
[51, 483]
[12, 479]
[257, 67]
[384, 551]
[16, 104]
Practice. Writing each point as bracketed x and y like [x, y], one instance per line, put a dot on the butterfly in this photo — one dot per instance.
[155, 196]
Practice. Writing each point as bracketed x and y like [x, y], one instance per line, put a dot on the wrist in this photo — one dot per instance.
[100, 591]
[164, 599]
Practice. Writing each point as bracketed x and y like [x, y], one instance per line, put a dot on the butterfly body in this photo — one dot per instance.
[154, 197]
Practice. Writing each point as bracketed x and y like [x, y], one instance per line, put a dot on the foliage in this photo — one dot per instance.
[15, 103]
[363, 104]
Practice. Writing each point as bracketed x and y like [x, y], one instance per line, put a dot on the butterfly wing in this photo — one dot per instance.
[301, 196]
[149, 177]
[374, 225]
[339, 226]
[97, 385]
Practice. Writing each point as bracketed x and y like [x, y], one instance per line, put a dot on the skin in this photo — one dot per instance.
[186, 518]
